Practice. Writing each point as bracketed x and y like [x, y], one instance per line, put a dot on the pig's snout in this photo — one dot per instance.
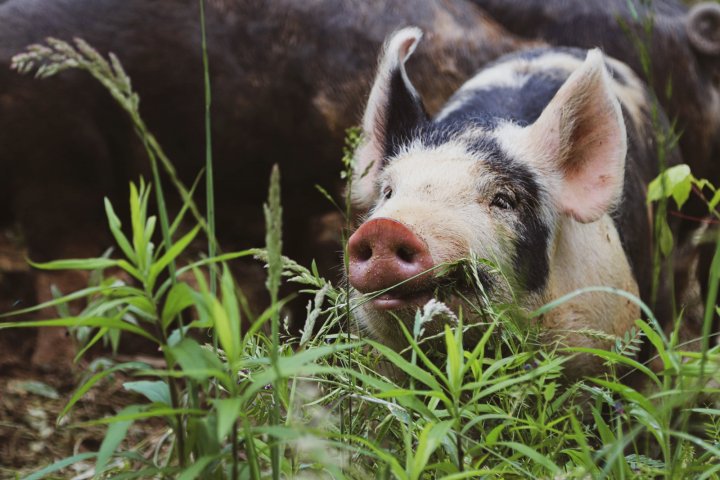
[383, 253]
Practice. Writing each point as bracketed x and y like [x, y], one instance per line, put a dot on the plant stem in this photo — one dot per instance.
[210, 195]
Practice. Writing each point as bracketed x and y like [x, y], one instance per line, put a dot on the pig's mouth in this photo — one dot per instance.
[411, 297]
[394, 300]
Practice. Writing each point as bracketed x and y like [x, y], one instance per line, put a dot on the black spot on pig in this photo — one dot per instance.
[531, 262]
[405, 114]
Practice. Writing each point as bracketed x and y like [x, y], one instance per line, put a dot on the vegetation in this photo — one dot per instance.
[329, 404]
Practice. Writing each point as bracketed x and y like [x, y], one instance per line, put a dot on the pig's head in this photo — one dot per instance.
[463, 186]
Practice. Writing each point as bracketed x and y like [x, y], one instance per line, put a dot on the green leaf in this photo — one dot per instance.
[549, 391]
[115, 228]
[197, 362]
[666, 237]
[76, 264]
[617, 358]
[81, 322]
[429, 440]
[116, 433]
[491, 438]
[82, 389]
[228, 410]
[196, 469]
[533, 455]
[156, 391]
[178, 299]
[96, 338]
[676, 181]
[455, 358]
[231, 305]
[413, 370]
[86, 292]
[629, 394]
[142, 413]
[177, 248]
[224, 330]
[60, 464]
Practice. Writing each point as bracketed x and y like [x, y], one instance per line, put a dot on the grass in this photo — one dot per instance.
[330, 404]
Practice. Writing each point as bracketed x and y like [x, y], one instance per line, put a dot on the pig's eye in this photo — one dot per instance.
[387, 193]
[503, 201]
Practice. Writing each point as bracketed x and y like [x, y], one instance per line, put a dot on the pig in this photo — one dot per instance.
[285, 77]
[683, 69]
[538, 163]
[683, 47]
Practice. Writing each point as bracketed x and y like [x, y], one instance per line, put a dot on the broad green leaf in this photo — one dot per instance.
[491, 438]
[429, 440]
[178, 299]
[116, 433]
[676, 181]
[228, 410]
[194, 359]
[156, 391]
[224, 330]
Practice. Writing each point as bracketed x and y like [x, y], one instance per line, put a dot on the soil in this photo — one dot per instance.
[31, 437]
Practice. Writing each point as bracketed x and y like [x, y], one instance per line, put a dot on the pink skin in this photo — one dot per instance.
[384, 252]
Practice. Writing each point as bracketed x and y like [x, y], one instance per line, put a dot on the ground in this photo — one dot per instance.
[30, 438]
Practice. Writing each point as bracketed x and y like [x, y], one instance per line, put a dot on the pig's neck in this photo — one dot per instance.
[587, 255]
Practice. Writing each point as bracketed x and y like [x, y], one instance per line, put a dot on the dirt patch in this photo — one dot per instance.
[30, 438]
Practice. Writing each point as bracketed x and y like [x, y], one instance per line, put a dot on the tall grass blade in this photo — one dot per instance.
[273, 241]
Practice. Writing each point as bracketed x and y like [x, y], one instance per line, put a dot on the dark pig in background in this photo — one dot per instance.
[286, 78]
[538, 164]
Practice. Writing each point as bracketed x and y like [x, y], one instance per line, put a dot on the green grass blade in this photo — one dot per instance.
[60, 464]
[99, 322]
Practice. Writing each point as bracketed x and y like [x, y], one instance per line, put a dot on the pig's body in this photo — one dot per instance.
[525, 166]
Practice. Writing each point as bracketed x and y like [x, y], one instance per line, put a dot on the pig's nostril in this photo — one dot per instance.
[406, 255]
[364, 253]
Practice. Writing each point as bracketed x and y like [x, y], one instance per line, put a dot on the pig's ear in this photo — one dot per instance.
[394, 109]
[580, 138]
